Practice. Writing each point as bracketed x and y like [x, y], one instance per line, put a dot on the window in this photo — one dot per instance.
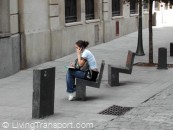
[156, 5]
[115, 7]
[166, 6]
[145, 4]
[89, 9]
[132, 7]
[4, 17]
[70, 11]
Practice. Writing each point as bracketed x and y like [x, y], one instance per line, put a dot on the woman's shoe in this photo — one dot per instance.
[71, 96]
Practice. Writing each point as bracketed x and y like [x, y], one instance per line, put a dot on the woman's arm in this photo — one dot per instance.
[81, 61]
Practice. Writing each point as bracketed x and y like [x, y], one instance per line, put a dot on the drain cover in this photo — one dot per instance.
[115, 110]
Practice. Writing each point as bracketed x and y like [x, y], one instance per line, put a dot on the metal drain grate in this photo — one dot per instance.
[115, 110]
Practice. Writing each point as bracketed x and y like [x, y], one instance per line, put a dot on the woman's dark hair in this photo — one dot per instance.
[82, 44]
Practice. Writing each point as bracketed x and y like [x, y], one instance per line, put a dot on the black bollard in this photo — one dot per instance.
[171, 49]
[162, 58]
[43, 92]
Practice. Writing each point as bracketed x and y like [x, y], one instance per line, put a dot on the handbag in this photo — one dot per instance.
[85, 67]
[89, 74]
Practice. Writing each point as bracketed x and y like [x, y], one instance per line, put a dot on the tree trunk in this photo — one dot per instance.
[150, 33]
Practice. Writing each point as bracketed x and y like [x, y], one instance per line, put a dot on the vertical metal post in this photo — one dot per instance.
[171, 49]
[139, 50]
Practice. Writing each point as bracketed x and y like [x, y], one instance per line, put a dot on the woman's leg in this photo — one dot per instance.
[70, 79]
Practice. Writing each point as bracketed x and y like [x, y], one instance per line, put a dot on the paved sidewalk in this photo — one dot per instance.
[155, 114]
[134, 91]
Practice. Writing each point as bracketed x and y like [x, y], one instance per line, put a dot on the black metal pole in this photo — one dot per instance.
[139, 50]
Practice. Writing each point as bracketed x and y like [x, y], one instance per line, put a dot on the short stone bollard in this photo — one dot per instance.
[162, 58]
[43, 92]
[171, 49]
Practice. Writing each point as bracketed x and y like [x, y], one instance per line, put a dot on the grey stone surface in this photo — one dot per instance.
[148, 90]
[6, 59]
[15, 52]
[82, 83]
[114, 70]
[162, 58]
[43, 92]
[9, 55]
[4, 16]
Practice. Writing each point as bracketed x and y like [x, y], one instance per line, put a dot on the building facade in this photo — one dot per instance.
[162, 14]
[36, 31]
[9, 38]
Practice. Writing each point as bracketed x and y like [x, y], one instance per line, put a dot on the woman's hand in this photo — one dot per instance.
[71, 64]
[79, 50]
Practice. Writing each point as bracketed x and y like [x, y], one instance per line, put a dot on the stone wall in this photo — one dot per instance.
[35, 33]
[64, 35]
[9, 38]
[124, 24]
[9, 55]
[45, 35]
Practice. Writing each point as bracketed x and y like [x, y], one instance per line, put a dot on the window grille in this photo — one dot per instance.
[156, 5]
[145, 4]
[115, 7]
[132, 7]
[70, 11]
[89, 9]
